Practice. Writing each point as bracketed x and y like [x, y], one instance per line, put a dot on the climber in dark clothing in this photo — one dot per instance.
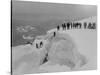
[41, 44]
[58, 27]
[54, 34]
[37, 45]
[64, 26]
[45, 59]
[68, 25]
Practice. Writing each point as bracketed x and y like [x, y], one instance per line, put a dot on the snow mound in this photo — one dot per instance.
[66, 51]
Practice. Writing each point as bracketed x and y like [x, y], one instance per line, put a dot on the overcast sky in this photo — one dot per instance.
[36, 10]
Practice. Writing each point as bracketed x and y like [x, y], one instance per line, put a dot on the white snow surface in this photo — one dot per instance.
[71, 50]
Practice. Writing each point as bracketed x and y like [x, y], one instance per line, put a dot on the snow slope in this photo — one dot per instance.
[25, 57]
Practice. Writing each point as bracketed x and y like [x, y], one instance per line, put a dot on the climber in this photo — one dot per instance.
[64, 26]
[45, 59]
[58, 27]
[37, 45]
[54, 34]
[68, 25]
[41, 44]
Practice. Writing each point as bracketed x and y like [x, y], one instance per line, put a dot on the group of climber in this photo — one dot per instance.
[40, 45]
[64, 26]
[70, 25]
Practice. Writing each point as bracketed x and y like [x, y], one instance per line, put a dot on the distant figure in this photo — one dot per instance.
[37, 45]
[80, 25]
[54, 34]
[45, 59]
[64, 26]
[68, 25]
[41, 44]
[58, 27]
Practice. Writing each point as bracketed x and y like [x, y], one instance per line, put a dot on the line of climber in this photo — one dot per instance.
[70, 25]
[64, 26]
